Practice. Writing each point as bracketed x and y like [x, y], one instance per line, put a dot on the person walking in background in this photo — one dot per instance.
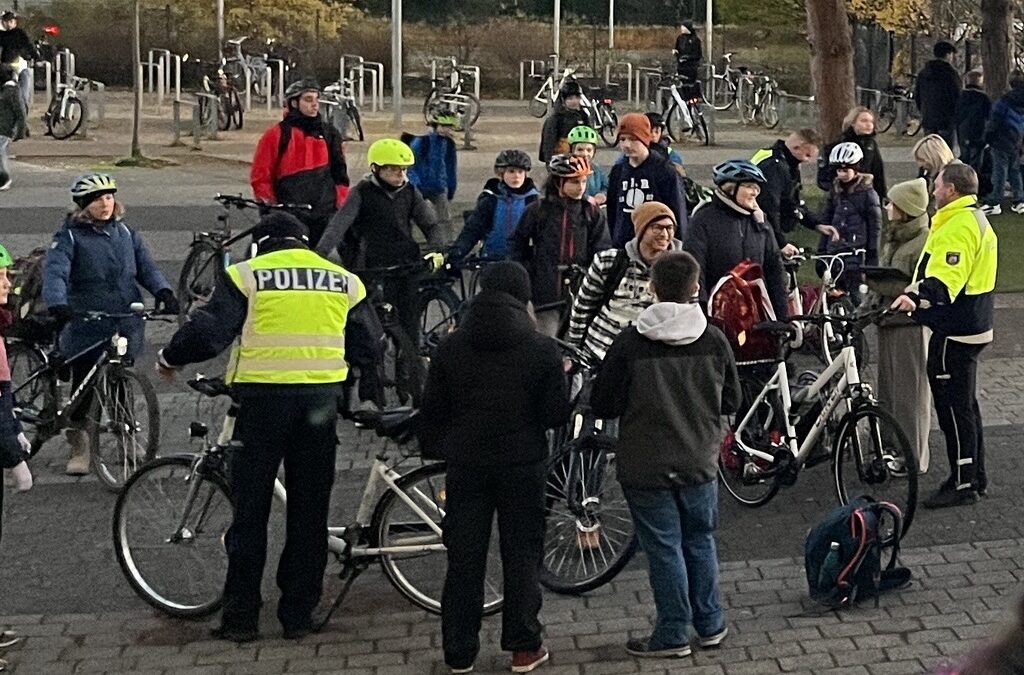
[688, 52]
[780, 195]
[936, 91]
[972, 111]
[859, 128]
[435, 173]
[13, 125]
[1003, 134]
[670, 379]
[564, 117]
[903, 343]
[494, 388]
[17, 50]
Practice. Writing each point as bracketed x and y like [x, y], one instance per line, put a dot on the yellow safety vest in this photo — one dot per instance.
[294, 331]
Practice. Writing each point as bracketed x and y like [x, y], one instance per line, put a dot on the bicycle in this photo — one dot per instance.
[600, 109]
[549, 89]
[446, 96]
[723, 86]
[683, 114]
[171, 519]
[893, 98]
[66, 112]
[341, 109]
[832, 300]
[123, 420]
[240, 63]
[780, 432]
[759, 103]
[210, 251]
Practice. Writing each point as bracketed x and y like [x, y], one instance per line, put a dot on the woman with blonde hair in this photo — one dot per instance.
[859, 128]
[931, 154]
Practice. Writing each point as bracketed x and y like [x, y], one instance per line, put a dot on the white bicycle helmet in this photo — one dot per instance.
[845, 154]
[88, 186]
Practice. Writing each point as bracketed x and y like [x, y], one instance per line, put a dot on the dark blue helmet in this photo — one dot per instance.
[738, 171]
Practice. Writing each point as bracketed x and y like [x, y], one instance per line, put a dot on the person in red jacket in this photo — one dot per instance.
[301, 160]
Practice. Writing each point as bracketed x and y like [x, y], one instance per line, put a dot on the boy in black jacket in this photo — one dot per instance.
[669, 379]
[972, 110]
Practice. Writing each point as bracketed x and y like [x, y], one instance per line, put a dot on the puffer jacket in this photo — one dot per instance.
[557, 232]
[436, 167]
[872, 162]
[1005, 127]
[494, 387]
[99, 267]
[856, 212]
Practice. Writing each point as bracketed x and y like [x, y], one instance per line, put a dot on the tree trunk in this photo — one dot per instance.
[996, 45]
[136, 83]
[828, 32]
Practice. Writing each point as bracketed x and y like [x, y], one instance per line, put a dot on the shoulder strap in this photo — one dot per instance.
[611, 282]
[284, 139]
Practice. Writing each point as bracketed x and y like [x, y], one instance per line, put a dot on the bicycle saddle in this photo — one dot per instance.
[210, 386]
[399, 424]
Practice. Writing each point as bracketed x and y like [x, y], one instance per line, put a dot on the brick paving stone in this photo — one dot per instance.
[826, 645]
[910, 667]
[810, 661]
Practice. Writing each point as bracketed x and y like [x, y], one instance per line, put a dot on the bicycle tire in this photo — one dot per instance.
[439, 315]
[237, 111]
[723, 84]
[432, 100]
[224, 113]
[161, 587]
[674, 121]
[885, 455]
[597, 503]
[473, 109]
[700, 128]
[770, 111]
[732, 462]
[56, 123]
[609, 124]
[426, 483]
[25, 358]
[537, 108]
[205, 111]
[199, 274]
[913, 126]
[123, 423]
[354, 119]
[884, 119]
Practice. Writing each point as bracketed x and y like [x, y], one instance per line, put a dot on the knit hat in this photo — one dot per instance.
[507, 277]
[910, 197]
[636, 125]
[648, 213]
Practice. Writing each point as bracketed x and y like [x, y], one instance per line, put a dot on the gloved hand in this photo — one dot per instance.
[166, 303]
[62, 313]
[435, 261]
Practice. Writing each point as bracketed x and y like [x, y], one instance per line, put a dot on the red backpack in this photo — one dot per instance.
[737, 303]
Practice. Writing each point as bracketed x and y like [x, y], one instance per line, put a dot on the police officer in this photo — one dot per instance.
[285, 311]
[952, 293]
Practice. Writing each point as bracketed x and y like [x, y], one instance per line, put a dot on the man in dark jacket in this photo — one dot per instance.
[936, 91]
[495, 386]
[1003, 133]
[780, 195]
[972, 110]
[670, 379]
[688, 53]
[300, 160]
[17, 50]
[565, 115]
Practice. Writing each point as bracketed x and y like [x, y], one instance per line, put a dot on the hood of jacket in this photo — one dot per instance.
[782, 152]
[673, 323]
[632, 248]
[895, 234]
[862, 183]
[496, 322]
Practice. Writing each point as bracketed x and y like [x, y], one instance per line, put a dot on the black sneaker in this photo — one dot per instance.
[645, 648]
[945, 497]
[298, 631]
[236, 634]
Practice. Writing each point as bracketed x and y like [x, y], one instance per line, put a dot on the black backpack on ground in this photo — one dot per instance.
[856, 572]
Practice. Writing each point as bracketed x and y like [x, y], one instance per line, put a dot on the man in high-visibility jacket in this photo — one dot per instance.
[285, 311]
[952, 293]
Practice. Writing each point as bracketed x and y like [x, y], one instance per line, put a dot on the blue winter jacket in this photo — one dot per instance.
[99, 267]
[436, 164]
[498, 211]
[597, 182]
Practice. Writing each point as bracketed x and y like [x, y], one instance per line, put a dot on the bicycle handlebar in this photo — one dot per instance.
[842, 254]
[137, 312]
[240, 202]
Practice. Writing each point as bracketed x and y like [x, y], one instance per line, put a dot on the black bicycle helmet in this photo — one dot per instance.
[570, 88]
[300, 87]
[738, 171]
[657, 121]
[514, 159]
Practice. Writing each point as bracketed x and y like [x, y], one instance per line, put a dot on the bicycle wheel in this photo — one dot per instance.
[24, 359]
[724, 95]
[609, 120]
[872, 456]
[199, 275]
[420, 576]
[205, 112]
[472, 111]
[589, 536]
[169, 527]
[237, 112]
[403, 369]
[751, 480]
[884, 118]
[439, 315]
[354, 121]
[66, 125]
[700, 127]
[675, 122]
[770, 111]
[124, 425]
[430, 104]
[913, 126]
[224, 113]
[537, 107]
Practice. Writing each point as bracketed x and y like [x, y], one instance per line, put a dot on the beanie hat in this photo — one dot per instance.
[649, 212]
[280, 225]
[507, 277]
[636, 125]
[910, 197]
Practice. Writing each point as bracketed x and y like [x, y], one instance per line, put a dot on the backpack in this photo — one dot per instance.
[857, 570]
[611, 282]
[25, 302]
[696, 194]
[737, 303]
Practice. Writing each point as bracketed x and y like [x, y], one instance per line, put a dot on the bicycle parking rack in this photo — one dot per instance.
[869, 98]
[281, 68]
[163, 69]
[644, 76]
[796, 110]
[608, 69]
[445, 62]
[48, 75]
[533, 74]
[357, 68]
[198, 129]
[64, 65]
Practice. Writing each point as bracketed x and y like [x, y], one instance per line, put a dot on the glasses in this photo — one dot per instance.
[659, 228]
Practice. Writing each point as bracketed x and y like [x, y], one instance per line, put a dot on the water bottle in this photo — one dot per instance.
[829, 571]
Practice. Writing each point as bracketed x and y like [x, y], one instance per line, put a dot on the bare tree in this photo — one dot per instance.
[829, 34]
[136, 82]
[996, 44]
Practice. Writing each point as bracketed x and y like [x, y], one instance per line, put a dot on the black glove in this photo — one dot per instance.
[166, 302]
[62, 313]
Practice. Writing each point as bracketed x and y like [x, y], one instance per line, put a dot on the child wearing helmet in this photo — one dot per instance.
[660, 141]
[565, 116]
[558, 233]
[97, 263]
[583, 142]
[435, 173]
[14, 447]
[499, 207]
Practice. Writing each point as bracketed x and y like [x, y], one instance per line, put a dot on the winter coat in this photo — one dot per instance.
[556, 128]
[498, 210]
[556, 232]
[99, 267]
[436, 167]
[655, 180]
[722, 235]
[13, 124]
[902, 244]
[936, 91]
[780, 196]
[689, 48]
[1005, 127]
[15, 44]
[670, 379]
[856, 212]
[494, 387]
[872, 162]
[972, 111]
[597, 182]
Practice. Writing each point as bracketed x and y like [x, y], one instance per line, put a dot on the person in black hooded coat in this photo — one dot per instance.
[936, 91]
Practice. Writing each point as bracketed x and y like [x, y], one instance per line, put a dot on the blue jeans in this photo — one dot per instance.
[675, 527]
[1005, 166]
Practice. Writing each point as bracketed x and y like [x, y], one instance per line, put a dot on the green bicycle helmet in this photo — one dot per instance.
[5, 258]
[582, 134]
[89, 186]
[390, 152]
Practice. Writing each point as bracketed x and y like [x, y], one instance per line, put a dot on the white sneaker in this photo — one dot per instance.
[7, 185]
[1018, 207]
[990, 210]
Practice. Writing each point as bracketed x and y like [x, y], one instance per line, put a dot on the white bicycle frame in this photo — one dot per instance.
[684, 106]
[548, 92]
[828, 283]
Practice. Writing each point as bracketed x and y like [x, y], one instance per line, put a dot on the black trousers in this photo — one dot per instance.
[474, 494]
[299, 430]
[948, 134]
[953, 375]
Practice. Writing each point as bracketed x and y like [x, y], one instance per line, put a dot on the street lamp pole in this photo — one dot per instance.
[708, 21]
[557, 35]
[611, 24]
[396, 63]
[220, 30]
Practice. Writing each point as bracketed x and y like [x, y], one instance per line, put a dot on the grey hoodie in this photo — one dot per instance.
[670, 379]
